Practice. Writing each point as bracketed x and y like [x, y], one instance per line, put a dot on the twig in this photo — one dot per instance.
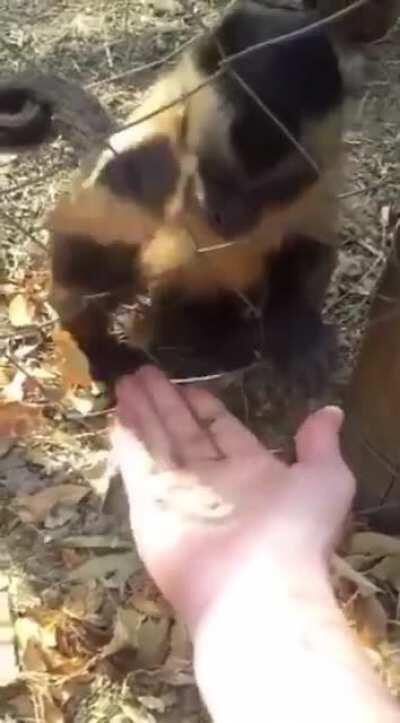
[23, 230]
[146, 66]
[11, 358]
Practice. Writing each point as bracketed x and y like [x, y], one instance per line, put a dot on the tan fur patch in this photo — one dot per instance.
[169, 246]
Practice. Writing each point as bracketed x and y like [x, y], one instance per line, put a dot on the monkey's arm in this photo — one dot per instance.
[89, 282]
[296, 338]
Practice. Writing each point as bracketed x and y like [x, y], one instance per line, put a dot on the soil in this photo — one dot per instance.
[69, 672]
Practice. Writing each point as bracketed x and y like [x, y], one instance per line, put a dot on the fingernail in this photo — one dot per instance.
[335, 411]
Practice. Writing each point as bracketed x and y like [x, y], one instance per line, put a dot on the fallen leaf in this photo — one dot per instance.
[21, 311]
[19, 477]
[18, 419]
[59, 516]
[153, 643]
[159, 704]
[83, 601]
[52, 713]
[371, 620]
[33, 658]
[147, 599]
[342, 569]
[23, 706]
[181, 645]
[83, 405]
[29, 634]
[73, 364]
[127, 623]
[8, 668]
[35, 508]
[388, 570]
[373, 543]
[123, 566]
[71, 558]
[15, 390]
[108, 542]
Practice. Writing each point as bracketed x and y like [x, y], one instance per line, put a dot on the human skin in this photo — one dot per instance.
[270, 642]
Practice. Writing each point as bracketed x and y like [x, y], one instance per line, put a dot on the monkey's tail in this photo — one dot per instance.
[34, 107]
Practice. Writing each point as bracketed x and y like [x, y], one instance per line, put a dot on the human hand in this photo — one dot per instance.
[172, 444]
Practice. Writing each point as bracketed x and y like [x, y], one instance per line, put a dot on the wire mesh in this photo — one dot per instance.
[21, 227]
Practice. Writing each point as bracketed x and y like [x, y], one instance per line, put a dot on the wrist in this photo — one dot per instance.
[275, 650]
[251, 631]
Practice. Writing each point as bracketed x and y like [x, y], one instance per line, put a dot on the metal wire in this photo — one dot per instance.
[225, 67]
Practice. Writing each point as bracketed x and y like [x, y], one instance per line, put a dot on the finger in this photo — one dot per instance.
[318, 437]
[232, 437]
[189, 440]
[137, 414]
[157, 529]
[134, 460]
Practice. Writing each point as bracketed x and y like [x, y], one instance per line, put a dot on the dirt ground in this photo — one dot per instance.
[95, 641]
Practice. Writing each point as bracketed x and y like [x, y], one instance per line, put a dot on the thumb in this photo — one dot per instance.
[317, 440]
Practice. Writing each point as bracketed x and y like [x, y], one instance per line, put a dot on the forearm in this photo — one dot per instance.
[290, 657]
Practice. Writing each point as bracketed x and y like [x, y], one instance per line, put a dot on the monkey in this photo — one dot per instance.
[222, 208]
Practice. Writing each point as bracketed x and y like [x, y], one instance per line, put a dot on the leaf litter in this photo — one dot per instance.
[96, 641]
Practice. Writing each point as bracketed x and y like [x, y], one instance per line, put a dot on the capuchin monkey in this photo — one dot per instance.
[221, 210]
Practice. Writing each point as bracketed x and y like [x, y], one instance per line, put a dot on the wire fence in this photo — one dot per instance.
[18, 228]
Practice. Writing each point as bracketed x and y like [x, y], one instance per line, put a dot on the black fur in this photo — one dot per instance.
[80, 262]
[296, 339]
[299, 81]
[148, 173]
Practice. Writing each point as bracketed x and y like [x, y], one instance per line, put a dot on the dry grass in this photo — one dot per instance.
[71, 622]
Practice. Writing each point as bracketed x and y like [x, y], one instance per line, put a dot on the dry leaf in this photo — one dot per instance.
[147, 599]
[8, 668]
[126, 631]
[52, 713]
[33, 658]
[159, 704]
[73, 364]
[388, 570]
[107, 542]
[342, 569]
[18, 419]
[14, 391]
[22, 705]
[153, 643]
[371, 619]
[123, 566]
[374, 544]
[71, 558]
[83, 601]
[83, 405]
[21, 311]
[181, 645]
[35, 508]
